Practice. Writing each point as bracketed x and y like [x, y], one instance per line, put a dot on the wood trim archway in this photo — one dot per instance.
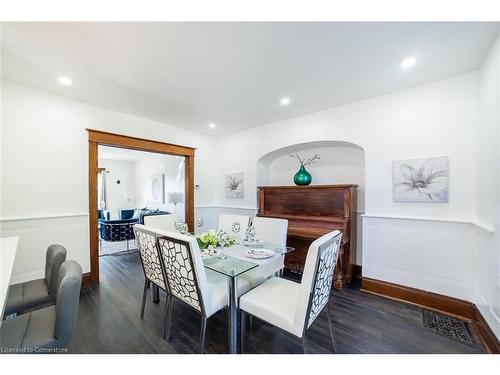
[96, 138]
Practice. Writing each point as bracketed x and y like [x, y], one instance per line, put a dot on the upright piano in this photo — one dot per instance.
[313, 211]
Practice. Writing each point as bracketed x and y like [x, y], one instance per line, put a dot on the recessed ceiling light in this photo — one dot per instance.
[285, 101]
[65, 81]
[211, 125]
[408, 62]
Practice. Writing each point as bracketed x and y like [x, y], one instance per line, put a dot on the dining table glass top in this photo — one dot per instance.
[278, 249]
[228, 265]
[233, 266]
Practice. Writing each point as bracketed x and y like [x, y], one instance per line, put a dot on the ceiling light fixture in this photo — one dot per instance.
[285, 101]
[408, 63]
[211, 125]
[65, 81]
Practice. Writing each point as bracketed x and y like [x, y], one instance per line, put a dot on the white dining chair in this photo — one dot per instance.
[291, 306]
[163, 222]
[189, 281]
[270, 229]
[235, 225]
[145, 238]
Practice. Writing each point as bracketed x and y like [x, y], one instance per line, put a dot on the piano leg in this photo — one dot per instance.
[338, 275]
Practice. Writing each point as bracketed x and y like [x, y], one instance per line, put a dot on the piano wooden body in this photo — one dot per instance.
[313, 211]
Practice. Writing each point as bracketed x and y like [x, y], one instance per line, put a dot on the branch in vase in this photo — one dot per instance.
[312, 160]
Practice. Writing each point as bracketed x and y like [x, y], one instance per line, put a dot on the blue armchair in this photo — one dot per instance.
[117, 230]
[127, 213]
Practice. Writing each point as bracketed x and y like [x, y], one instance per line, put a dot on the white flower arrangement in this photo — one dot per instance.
[212, 239]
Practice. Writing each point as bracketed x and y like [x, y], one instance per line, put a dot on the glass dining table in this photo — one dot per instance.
[231, 264]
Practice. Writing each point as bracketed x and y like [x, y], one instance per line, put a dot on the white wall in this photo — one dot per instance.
[431, 120]
[44, 151]
[437, 119]
[486, 237]
[174, 180]
[122, 195]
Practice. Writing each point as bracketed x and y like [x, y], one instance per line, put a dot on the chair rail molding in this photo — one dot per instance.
[485, 227]
[43, 217]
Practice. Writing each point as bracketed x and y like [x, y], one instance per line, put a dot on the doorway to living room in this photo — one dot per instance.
[131, 180]
[131, 186]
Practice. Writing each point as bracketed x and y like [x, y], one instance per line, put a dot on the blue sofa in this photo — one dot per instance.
[150, 212]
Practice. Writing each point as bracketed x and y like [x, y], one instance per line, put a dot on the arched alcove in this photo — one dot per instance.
[341, 163]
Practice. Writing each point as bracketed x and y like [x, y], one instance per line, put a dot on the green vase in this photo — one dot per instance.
[302, 177]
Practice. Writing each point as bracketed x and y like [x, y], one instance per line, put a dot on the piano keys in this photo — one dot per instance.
[313, 211]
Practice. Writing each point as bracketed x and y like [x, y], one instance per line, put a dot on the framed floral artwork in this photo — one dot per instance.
[234, 185]
[420, 180]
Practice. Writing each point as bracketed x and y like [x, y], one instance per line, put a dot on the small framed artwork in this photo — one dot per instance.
[234, 187]
[158, 188]
[420, 180]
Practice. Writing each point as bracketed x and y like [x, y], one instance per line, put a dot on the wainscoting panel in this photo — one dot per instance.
[487, 270]
[35, 235]
[434, 256]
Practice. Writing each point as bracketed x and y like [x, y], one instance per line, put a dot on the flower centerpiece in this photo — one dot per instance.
[212, 239]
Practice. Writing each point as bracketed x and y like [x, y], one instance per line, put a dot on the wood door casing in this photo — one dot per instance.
[96, 138]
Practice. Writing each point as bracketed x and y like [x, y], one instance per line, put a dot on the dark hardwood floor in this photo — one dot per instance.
[109, 322]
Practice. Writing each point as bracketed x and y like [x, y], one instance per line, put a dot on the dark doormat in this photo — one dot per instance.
[447, 326]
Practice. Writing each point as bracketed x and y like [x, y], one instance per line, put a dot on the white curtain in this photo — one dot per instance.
[101, 190]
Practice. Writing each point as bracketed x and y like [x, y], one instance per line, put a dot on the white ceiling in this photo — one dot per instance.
[190, 74]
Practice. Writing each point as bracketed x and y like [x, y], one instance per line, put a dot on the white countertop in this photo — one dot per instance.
[8, 250]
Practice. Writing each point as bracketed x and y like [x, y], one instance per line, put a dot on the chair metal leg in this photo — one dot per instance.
[170, 313]
[243, 319]
[203, 330]
[330, 324]
[165, 326]
[304, 343]
[156, 293]
[128, 248]
[144, 294]
[250, 322]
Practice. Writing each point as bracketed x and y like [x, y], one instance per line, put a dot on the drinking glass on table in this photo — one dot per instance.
[223, 239]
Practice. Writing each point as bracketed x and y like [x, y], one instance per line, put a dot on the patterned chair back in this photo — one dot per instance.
[146, 243]
[181, 273]
[235, 225]
[317, 278]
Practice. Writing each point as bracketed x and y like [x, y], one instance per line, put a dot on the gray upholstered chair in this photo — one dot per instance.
[39, 292]
[51, 327]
